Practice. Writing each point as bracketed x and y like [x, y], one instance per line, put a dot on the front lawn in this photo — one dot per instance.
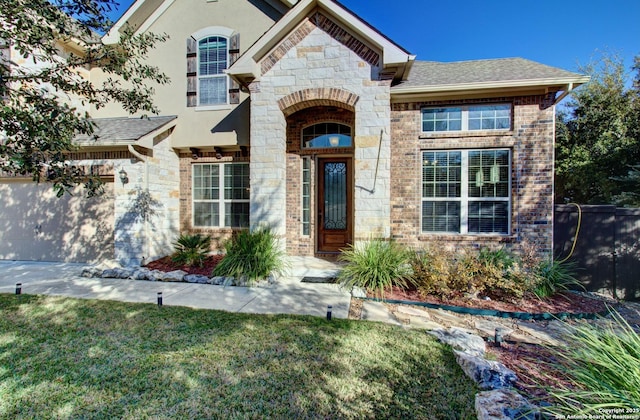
[70, 358]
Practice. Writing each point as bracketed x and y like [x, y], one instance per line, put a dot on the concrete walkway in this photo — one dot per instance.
[288, 296]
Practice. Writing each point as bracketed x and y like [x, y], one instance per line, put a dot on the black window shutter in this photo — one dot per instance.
[192, 72]
[234, 53]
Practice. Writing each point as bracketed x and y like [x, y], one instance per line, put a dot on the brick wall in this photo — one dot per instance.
[218, 235]
[531, 145]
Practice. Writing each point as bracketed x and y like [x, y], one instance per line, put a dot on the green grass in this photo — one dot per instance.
[71, 358]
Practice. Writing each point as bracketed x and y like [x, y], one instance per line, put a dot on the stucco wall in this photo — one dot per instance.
[180, 21]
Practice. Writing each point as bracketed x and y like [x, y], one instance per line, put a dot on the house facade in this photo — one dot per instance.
[302, 117]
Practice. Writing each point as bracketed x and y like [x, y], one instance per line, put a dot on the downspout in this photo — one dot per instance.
[145, 183]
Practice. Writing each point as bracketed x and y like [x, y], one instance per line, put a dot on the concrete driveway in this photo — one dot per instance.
[288, 296]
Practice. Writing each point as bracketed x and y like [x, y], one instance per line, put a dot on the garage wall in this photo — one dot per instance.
[35, 225]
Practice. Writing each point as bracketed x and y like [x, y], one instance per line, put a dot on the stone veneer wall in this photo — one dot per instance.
[531, 142]
[320, 55]
[147, 224]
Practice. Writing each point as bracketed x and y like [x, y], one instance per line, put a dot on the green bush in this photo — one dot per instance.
[602, 366]
[191, 250]
[253, 255]
[376, 265]
[553, 276]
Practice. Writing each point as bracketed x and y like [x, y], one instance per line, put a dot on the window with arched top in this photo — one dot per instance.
[212, 61]
[326, 135]
[210, 51]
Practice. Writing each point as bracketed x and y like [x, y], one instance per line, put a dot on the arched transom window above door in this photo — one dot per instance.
[326, 135]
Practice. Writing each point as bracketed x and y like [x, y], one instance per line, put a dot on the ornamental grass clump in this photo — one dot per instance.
[553, 276]
[600, 366]
[252, 255]
[376, 265]
[191, 250]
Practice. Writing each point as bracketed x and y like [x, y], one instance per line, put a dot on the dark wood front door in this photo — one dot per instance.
[335, 204]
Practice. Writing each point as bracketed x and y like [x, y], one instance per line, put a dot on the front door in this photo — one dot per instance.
[335, 208]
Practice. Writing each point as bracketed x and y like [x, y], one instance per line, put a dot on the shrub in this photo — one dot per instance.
[253, 255]
[191, 250]
[432, 272]
[602, 364]
[554, 276]
[491, 273]
[376, 265]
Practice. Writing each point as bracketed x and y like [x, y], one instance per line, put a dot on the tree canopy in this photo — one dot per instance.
[598, 138]
[45, 97]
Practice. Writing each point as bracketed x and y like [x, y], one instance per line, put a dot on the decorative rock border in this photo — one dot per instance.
[142, 273]
[499, 400]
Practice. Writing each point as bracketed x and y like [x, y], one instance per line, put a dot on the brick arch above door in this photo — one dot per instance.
[313, 97]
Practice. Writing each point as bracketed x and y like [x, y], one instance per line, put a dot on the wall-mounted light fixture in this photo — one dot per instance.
[218, 152]
[195, 153]
[334, 141]
[124, 177]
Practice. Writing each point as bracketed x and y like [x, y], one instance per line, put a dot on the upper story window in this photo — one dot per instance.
[467, 118]
[211, 51]
[326, 135]
[212, 61]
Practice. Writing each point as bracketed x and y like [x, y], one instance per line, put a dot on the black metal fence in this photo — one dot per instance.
[607, 249]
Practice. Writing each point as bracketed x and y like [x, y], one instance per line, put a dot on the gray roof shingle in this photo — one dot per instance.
[123, 130]
[431, 73]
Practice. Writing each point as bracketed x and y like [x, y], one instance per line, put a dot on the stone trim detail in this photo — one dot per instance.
[307, 98]
[319, 20]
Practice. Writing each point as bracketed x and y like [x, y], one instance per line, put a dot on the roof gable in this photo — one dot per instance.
[392, 56]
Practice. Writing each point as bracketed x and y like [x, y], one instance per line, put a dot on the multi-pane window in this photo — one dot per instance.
[212, 61]
[467, 118]
[306, 196]
[327, 134]
[466, 191]
[221, 195]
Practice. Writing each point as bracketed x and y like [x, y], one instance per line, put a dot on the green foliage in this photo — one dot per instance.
[602, 364]
[598, 137]
[37, 121]
[191, 250]
[553, 276]
[376, 265]
[253, 255]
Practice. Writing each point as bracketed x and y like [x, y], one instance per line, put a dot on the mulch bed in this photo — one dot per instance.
[166, 264]
[562, 302]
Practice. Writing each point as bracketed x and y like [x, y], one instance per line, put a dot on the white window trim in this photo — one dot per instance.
[220, 106]
[464, 123]
[220, 200]
[464, 198]
[306, 159]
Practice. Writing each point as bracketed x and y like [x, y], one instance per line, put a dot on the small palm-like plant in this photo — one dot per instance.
[376, 265]
[191, 250]
[253, 255]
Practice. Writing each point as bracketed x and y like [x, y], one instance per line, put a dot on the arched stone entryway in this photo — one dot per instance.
[320, 177]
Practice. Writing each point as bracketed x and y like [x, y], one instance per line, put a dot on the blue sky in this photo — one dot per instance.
[560, 33]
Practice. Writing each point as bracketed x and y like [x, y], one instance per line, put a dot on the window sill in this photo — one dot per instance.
[467, 237]
[213, 108]
[458, 134]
